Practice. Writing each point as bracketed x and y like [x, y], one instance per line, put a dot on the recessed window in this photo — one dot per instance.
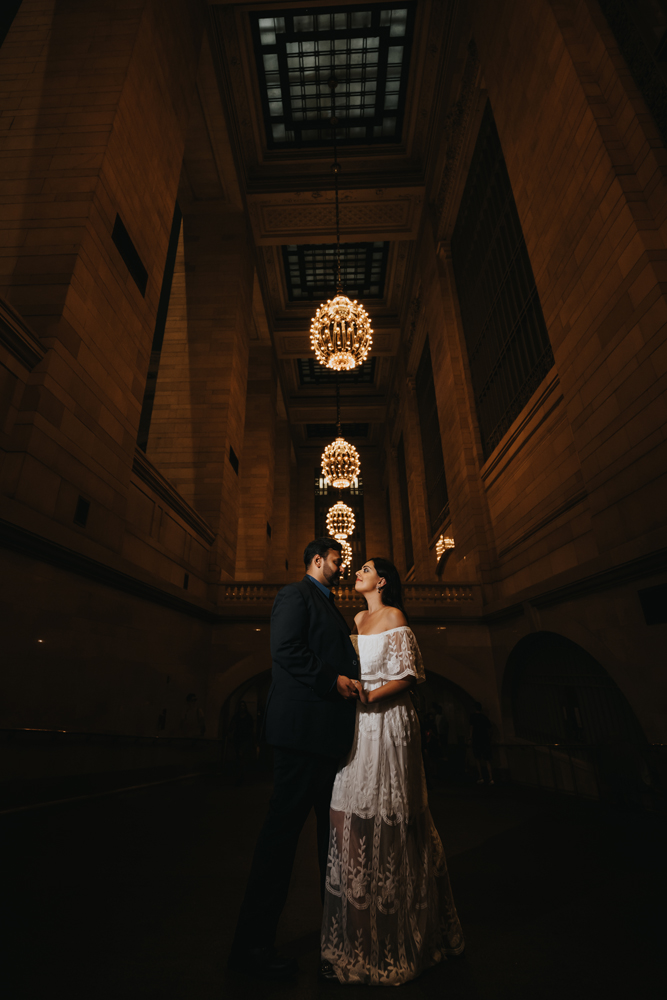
[233, 460]
[654, 604]
[130, 255]
[367, 50]
[310, 271]
[81, 512]
[508, 346]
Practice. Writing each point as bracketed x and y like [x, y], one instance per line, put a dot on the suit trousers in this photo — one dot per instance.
[302, 781]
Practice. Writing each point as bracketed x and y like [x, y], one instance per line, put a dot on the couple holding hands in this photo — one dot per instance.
[346, 743]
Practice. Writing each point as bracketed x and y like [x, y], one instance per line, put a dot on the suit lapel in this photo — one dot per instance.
[332, 609]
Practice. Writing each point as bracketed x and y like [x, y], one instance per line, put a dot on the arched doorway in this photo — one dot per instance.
[576, 731]
[241, 747]
[561, 694]
[444, 709]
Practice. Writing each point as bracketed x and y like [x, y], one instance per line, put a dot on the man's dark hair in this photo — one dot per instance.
[320, 547]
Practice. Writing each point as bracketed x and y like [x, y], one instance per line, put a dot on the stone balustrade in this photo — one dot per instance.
[460, 598]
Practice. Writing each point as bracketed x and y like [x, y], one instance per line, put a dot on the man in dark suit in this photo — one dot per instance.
[309, 722]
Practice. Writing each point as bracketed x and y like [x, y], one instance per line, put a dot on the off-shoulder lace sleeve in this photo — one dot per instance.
[396, 657]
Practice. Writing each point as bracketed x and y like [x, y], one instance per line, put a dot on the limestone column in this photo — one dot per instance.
[395, 509]
[196, 436]
[378, 540]
[414, 463]
[279, 553]
[257, 475]
[460, 436]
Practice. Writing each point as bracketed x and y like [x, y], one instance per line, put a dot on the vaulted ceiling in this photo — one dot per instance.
[395, 65]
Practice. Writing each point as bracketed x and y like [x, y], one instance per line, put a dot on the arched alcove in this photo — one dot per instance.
[253, 692]
[558, 693]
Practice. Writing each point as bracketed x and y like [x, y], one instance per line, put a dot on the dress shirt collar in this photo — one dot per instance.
[325, 590]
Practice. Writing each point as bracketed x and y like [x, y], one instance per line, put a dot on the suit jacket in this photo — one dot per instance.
[310, 646]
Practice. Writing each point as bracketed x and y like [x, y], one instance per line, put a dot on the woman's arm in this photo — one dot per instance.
[386, 691]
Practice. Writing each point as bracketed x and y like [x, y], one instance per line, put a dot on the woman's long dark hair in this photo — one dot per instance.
[392, 592]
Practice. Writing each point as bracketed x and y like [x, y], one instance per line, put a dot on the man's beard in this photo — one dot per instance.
[332, 579]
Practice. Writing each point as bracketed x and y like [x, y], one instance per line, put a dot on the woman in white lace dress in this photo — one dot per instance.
[388, 908]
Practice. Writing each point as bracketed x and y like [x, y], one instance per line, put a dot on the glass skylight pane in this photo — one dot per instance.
[365, 64]
[361, 19]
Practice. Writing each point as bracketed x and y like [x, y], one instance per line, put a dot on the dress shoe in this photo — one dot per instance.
[327, 973]
[263, 963]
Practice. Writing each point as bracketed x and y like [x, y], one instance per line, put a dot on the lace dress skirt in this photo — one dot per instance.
[388, 908]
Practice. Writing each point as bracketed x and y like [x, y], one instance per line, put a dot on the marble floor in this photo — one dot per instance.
[135, 895]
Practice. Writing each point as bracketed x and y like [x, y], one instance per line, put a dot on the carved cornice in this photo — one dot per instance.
[17, 337]
[310, 217]
[455, 129]
[167, 492]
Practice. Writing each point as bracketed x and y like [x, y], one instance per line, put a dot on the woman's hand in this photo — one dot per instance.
[363, 697]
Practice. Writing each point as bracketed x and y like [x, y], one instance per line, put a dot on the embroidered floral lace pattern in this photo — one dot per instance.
[388, 909]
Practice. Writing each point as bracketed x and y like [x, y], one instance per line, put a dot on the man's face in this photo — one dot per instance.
[331, 567]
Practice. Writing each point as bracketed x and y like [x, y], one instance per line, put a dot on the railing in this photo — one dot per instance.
[416, 595]
[622, 773]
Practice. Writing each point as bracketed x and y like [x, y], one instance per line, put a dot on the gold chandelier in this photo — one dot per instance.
[340, 459]
[340, 521]
[442, 545]
[340, 334]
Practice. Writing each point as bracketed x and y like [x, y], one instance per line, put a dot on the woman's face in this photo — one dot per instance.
[367, 578]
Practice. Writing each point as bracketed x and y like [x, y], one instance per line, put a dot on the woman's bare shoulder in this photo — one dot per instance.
[395, 617]
[358, 618]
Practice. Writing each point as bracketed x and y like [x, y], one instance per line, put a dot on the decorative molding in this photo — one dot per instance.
[301, 218]
[148, 474]
[456, 128]
[18, 338]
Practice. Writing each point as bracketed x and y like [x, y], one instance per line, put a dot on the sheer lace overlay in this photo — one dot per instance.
[388, 909]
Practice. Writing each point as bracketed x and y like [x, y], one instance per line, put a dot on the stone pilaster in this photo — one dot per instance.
[257, 474]
[414, 465]
[196, 433]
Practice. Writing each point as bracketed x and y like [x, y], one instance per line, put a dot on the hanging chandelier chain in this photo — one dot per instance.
[340, 434]
[340, 333]
[333, 83]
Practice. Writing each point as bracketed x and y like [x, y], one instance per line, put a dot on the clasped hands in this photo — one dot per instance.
[348, 688]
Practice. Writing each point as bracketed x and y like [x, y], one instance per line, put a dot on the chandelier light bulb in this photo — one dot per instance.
[347, 555]
[340, 463]
[340, 521]
[341, 334]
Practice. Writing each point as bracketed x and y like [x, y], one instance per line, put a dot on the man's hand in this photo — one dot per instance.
[346, 687]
